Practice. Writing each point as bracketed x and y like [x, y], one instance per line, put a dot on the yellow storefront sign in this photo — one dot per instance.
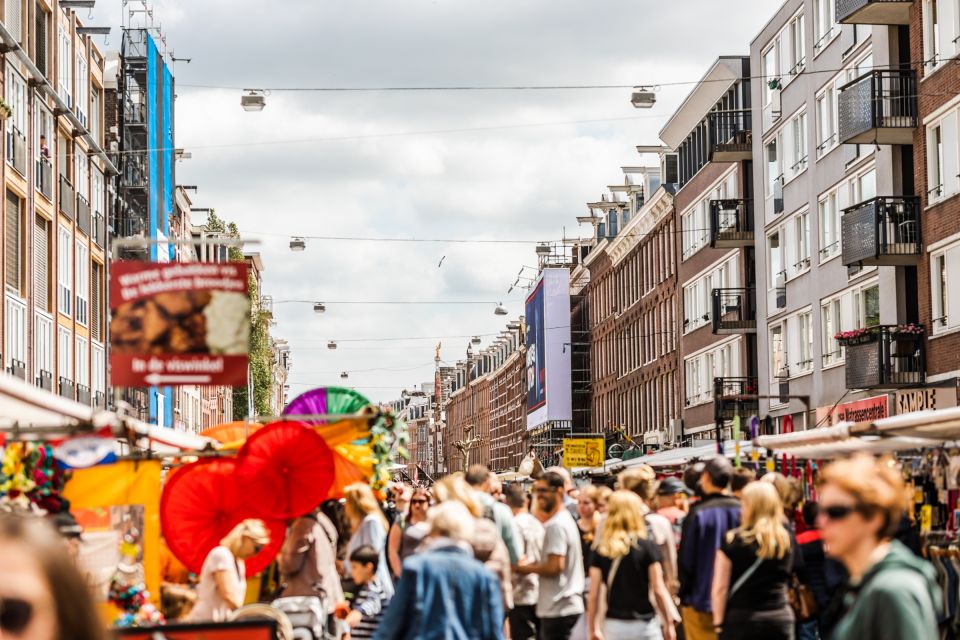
[583, 452]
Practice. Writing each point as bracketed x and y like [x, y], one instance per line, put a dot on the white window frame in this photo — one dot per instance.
[801, 242]
[15, 328]
[944, 285]
[43, 341]
[831, 323]
[65, 65]
[828, 113]
[698, 292]
[82, 283]
[825, 27]
[716, 361]
[64, 354]
[797, 30]
[64, 271]
[82, 362]
[943, 155]
[941, 33]
[83, 85]
[799, 158]
[804, 363]
[779, 366]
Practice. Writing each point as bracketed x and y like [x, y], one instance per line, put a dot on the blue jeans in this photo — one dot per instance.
[808, 630]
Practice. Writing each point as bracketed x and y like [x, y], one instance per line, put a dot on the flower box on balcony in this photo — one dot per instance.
[857, 336]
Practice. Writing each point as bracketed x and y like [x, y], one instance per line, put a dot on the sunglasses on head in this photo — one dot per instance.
[419, 501]
[15, 615]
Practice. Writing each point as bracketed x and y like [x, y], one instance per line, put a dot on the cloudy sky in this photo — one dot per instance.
[517, 165]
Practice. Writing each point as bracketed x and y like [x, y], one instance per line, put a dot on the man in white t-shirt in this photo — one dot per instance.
[560, 602]
[526, 588]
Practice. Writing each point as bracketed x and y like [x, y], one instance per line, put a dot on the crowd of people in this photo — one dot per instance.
[715, 554]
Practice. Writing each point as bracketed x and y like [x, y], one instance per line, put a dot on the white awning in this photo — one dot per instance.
[933, 424]
[34, 413]
[683, 455]
[822, 435]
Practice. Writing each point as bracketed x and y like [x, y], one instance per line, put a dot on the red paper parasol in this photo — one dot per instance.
[284, 470]
[200, 505]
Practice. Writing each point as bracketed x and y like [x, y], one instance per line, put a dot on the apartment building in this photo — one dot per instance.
[934, 47]
[55, 177]
[634, 314]
[508, 397]
[467, 437]
[710, 164]
[837, 220]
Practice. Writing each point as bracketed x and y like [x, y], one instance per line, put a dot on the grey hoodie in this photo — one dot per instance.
[897, 599]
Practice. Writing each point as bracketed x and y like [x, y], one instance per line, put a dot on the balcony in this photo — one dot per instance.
[44, 178]
[734, 311]
[879, 107]
[99, 230]
[731, 138]
[66, 388]
[882, 232]
[727, 404]
[885, 357]
[18, 369]
[888, 12]
[45, 380]
[778, 195]
[100, 401]
[83, 394]
[731, 224]
[83, 214]
[17, 150]
[68, 198]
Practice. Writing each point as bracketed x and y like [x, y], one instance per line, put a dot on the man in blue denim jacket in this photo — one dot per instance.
[443, 592]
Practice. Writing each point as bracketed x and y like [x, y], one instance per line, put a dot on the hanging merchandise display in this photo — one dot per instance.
[30, 478]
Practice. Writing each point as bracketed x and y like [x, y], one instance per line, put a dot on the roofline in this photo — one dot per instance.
[738, 75]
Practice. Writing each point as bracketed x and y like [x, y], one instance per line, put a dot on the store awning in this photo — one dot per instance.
[933, 424]
[873, 445]
[683, 455]
[34, 413]
[822, 435]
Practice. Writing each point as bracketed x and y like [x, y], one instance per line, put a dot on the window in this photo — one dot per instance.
[829, 207]
[16, 96]
[769, 74]
[698, 293]
[798, 45]
[824, 24]
[827, 118]
[43, 344]
[801, 241]
[97, 192]
[96, 302]
[775, 268]
[805, 339]
[41, 41]
[44, 133]
[778, 351]
[64, 271]
[83, 283]
[13, 19]
[64, 353]
[83, 362]
[831, 324]
[696, 224]
[83, 86]
[867, 305]
[798, 139]
[82, 182]
[13, 244]
[98, 367]
[941, 32]
[943, 163]
[64, 66]
[944, 274]
[96, 129]
[701, 369]
[41, 264]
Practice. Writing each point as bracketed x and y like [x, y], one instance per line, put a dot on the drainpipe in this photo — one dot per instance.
[41, 84]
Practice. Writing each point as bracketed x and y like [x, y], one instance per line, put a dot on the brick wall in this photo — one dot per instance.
[942, 220]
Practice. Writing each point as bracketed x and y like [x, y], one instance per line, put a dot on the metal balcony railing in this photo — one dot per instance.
[45, 380]
[879, 107]
[17, 150]
[882, 231]
[18, 368]
[886, 357]
[731, 135]
[67, 197]
[100, 400]
[83, 394]
[83, 214]
[731, 224]
[99, 229]
[44, 177]
[727, 397]
[66, 388]
[887, 12]
[734, 311]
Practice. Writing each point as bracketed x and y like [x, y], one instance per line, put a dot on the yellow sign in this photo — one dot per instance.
[926, 519]
[583, 452]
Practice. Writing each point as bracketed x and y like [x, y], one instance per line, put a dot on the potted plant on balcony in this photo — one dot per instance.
[5, 109]
[862, 335]
[910, 328]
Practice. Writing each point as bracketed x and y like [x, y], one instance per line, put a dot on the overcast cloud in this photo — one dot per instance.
[324, 164]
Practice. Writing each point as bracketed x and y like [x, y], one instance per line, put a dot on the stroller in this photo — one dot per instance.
[308, 616]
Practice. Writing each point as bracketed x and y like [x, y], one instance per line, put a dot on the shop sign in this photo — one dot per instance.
[910, 400]
[865, 410]
[583, 452]
[179, 323]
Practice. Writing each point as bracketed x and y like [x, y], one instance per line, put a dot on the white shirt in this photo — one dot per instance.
[210, 604]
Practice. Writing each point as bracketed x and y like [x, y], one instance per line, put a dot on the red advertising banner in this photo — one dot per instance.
[873, 408]
[179, 323]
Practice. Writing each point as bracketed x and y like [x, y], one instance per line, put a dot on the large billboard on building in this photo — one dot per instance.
[549, 349]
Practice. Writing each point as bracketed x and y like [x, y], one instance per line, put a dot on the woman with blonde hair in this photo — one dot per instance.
[752, 570]
[628, 564]
[368, 527]
[223, 578]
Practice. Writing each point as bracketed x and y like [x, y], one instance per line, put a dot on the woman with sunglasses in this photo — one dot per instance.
[892, 594]
[42, 595]
[223, 578]
[408, 532]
